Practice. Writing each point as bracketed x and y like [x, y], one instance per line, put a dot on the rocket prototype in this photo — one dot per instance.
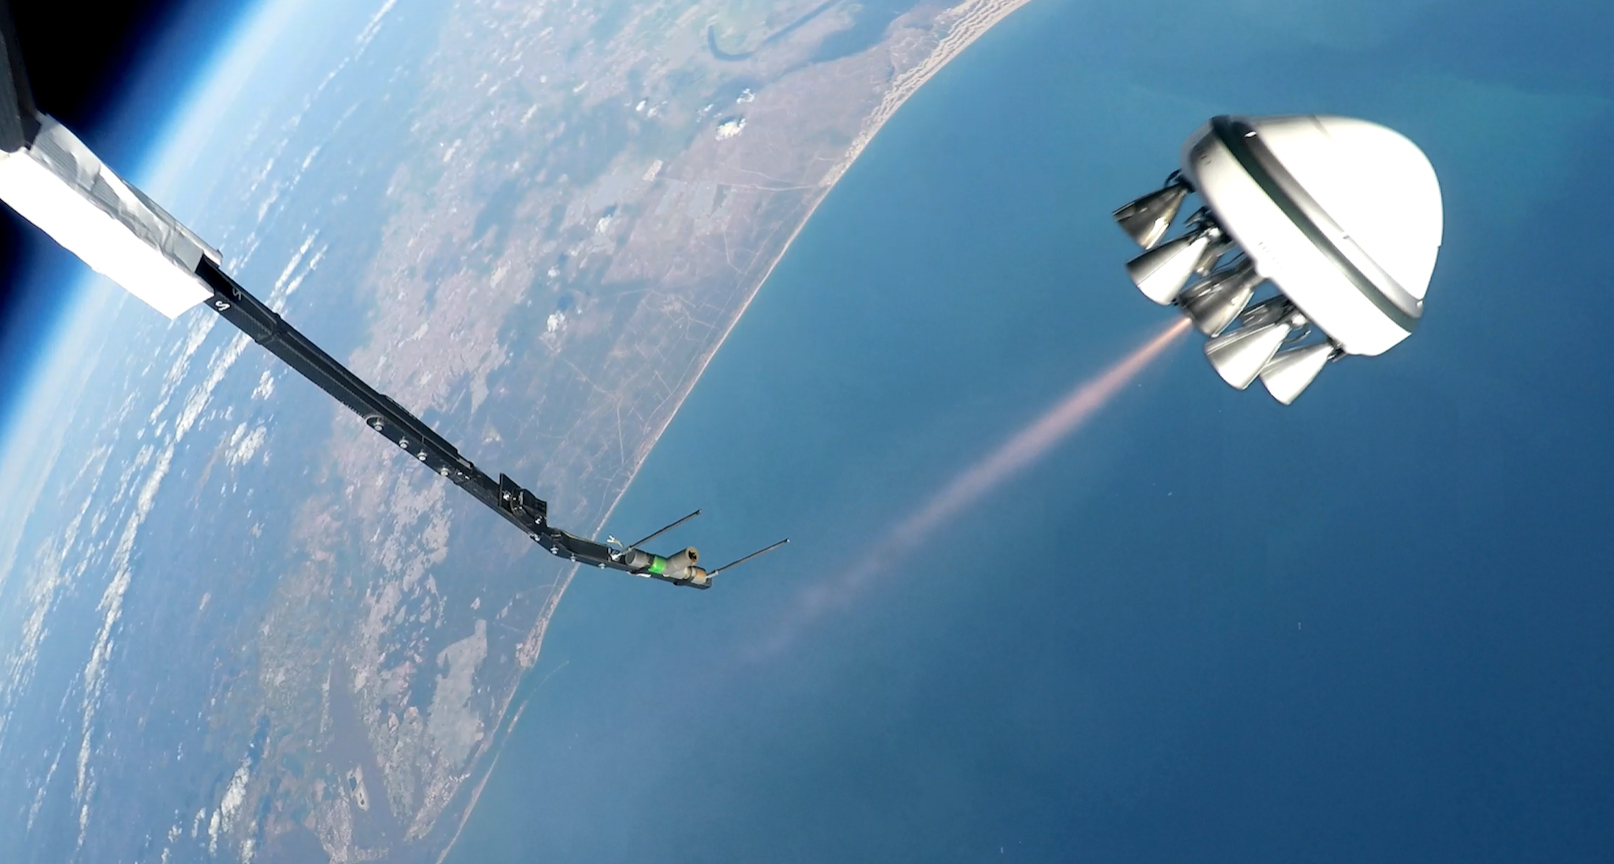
[49, 177]
[1341, 216]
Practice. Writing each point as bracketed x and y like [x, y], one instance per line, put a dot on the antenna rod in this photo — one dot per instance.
[653, 536]
[733, 564]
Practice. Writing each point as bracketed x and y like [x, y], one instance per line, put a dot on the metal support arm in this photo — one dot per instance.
[516, 504]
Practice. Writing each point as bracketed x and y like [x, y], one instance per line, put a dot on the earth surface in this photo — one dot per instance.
[532, 224]
[235, 625]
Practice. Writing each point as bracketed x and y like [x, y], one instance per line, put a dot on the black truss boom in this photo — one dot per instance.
[504, 496]
[20, 126]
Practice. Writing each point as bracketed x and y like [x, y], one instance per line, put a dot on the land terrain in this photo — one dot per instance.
[597, 195]
[532, 224]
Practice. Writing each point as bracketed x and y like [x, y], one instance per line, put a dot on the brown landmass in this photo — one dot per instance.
[594, 197]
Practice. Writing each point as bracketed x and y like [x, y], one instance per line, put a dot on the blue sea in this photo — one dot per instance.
[1373, 626]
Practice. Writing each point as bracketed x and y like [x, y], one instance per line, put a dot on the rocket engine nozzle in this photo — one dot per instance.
[682, 561]
[1148, 218]
[681, 566]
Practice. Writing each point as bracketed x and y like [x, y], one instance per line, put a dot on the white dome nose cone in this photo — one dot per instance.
[1343, 215]
[1378, 186]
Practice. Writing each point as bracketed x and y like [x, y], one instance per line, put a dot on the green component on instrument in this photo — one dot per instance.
[658, 565]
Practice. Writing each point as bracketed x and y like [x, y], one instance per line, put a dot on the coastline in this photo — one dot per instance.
[965, 23]
[978, 16]
[973, 19]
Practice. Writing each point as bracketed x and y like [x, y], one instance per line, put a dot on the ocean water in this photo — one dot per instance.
[1372, 625]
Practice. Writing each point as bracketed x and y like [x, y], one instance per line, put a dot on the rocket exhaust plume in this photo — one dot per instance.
[1028, 445]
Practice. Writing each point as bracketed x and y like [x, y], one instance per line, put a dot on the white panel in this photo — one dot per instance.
[1284, 255]
[60, 186]
[1378, 186]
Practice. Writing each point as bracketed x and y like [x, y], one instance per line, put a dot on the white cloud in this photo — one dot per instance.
[243, 445]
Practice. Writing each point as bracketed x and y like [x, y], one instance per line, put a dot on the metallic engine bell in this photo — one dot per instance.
[1287, 374]
[1161, 272]
[1147, 219]
[1240, 355]
[1213, 303]
[1213, 253]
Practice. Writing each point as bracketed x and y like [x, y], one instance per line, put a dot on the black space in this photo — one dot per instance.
[81, 59]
